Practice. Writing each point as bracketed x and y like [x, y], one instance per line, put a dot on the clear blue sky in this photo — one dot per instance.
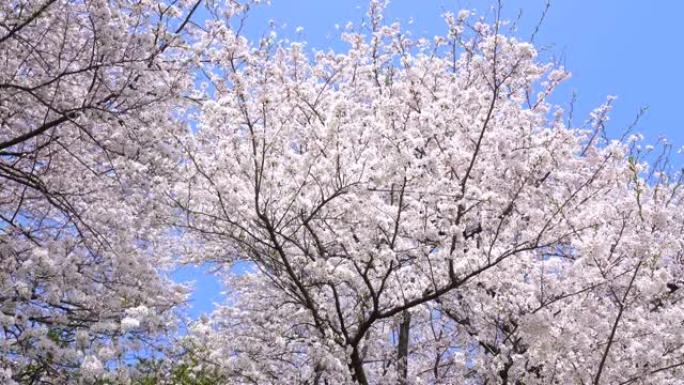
[631, 49]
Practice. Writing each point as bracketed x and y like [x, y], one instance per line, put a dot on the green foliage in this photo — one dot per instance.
[186, 372]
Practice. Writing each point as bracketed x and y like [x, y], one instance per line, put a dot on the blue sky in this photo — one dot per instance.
[631, 49]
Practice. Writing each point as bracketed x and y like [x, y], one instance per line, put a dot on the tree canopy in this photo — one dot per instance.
[409, 210]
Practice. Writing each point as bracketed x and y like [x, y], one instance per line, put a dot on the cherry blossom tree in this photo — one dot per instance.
[89, 93]
[415, 211]
[405, 211]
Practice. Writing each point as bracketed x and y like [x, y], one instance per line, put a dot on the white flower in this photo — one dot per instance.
[82, 338]
[91, 367]
[138, 312]
[107, 352]
[41, 253]
[129, 324]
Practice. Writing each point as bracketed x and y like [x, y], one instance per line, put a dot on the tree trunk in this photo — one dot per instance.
[402, 347]
[359, 375]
